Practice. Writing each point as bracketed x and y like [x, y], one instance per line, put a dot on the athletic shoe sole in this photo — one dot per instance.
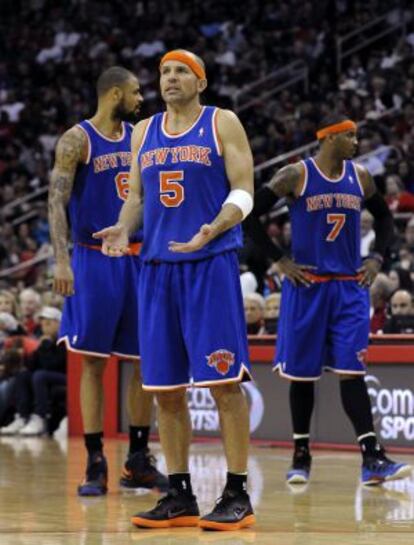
[404, 471]
[297, 478]
[177, 522]
[246, 522]
[91, 491]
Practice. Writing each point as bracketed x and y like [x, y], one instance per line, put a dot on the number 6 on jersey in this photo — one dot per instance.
[338, 221]
[171, 191]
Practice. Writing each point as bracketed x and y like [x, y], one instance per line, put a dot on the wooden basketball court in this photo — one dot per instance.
[39, 505]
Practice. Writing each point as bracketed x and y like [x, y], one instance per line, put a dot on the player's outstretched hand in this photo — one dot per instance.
[114, 240]
[63, 279]
[369, 270]
[199, 240]
[295, 272]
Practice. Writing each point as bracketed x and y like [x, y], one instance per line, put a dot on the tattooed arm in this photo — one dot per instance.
[70, 151]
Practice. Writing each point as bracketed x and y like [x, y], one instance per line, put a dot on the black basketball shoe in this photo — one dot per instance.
[96, 478]
[299, 471]
[172, 510]
[233, 511]
[140, 472]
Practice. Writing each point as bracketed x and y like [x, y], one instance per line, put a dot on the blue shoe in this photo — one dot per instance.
[96, 478]
[375, 471]
[299, 471]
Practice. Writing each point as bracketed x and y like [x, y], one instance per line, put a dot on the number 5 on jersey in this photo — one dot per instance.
[171, 191]
[338, 221]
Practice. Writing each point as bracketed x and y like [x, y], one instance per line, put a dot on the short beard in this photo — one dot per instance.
[121, 114]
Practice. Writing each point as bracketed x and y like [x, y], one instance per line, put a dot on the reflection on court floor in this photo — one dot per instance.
[39, 505]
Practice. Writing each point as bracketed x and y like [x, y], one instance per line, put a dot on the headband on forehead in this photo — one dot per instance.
[343, 126]
[185, 58]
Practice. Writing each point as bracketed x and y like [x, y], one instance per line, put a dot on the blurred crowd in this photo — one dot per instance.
[52, 52]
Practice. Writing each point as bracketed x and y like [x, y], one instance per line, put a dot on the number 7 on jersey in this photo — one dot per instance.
[338, 221]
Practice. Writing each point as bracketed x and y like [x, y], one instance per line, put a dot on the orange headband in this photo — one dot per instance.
[183, 57]
[343, 126]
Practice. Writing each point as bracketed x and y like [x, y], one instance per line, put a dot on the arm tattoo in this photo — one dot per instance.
[69, 152]
[285, 181]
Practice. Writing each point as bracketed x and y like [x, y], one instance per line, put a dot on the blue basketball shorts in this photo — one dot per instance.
[191, 323]
[101, 318]
[324, 326]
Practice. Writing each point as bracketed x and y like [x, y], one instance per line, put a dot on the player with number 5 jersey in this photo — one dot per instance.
[185, 184]
[194, 168]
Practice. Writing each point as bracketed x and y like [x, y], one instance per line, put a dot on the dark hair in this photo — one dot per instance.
[116, 76]
[405, 279]
[331, 119]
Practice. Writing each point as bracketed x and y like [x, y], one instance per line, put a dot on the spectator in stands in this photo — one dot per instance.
[406, 173]
[52, 299]
[380, 293]
[367, 232]
[401, 303]
[398, 199]
[405, 258]
[400, 280]
[40, 370]
[48, 369]
[10, 363]
[248, 283]
[29, 306]
[254, 305]
[271, 313]
[8, 302]
[402, 316]
[409, 235]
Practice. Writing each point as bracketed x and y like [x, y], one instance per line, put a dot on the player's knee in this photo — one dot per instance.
[94, 367]
[224, 394]
[173, 401]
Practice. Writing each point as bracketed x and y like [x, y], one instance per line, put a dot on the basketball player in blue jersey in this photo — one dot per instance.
[324, 314]
[89, 181]
[195, 168]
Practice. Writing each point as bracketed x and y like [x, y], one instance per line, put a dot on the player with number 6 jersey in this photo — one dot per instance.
[89, 181]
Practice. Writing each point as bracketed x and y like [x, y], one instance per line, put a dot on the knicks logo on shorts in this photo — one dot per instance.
[221, 360]
[362, 356]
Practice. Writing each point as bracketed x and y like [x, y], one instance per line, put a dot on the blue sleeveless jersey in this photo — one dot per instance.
[101, 184]
[326, 221]
[184, 185]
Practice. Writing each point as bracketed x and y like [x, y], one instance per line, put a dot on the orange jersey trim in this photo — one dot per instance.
[185, 58]
[134, 247]
[318, 278]
[344, 126]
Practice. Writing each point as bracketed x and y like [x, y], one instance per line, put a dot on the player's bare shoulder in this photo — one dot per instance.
[366, 180]
[227, 121]
[289, 180]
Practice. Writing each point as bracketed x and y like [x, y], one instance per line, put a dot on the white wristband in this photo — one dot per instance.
[242, 199]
